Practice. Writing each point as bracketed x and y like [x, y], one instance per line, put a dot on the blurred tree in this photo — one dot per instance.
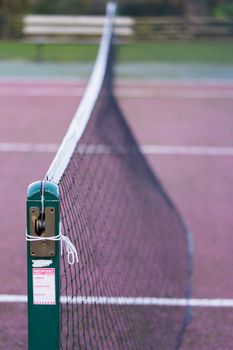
[197, 7]
[223, 8]
[11, 12]
[126, 7]
[150, 7]
[68, 6]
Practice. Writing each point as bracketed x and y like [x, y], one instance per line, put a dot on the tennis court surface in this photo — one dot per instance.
[130, 287]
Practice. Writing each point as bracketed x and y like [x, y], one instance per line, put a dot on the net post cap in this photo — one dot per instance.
[51, 191]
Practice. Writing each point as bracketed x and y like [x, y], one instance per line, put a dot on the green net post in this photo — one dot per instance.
[43, 266]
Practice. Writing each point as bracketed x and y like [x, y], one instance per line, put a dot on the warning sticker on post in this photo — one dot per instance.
[44, 291]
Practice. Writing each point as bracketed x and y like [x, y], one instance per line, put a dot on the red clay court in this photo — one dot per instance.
[186, 132]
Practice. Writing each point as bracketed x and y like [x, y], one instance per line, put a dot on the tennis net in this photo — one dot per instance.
[131, 242]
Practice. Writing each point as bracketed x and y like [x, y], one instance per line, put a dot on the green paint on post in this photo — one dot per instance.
[43, 271]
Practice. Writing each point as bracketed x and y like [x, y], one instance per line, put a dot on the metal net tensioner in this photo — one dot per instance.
[39, 228]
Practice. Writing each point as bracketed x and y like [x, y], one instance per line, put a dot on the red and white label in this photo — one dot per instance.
[44, 290]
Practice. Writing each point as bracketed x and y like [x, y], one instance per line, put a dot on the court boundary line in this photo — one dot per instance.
[103, 149]
[123, 92]
[131, 301]
[67, 81]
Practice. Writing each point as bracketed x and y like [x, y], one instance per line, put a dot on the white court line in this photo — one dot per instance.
[121, 92]
[68, 81]
[28, 147]
[93, 300]
[174, 93]
[187, 150]
[35, 91]
[194, 83]
[102, 149]
[149, 301]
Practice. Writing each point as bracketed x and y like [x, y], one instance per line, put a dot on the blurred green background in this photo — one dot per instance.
[164, 31]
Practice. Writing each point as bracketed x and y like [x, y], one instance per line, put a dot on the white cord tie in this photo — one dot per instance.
[72, 254]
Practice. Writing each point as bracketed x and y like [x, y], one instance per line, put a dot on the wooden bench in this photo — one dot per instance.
[46, 29]
[72, 28]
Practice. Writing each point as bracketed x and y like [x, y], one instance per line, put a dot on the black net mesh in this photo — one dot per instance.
[131, 242]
